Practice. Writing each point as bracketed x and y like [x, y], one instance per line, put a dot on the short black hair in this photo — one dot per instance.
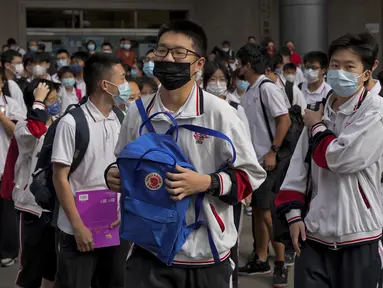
[211, 67]
[41, 46]
[40, 57]
[7, 56]
[11, 41]
[149, 51]
[254, 54]
[139, 63]
[95, 69]
[122, 39]
[274, 61]
[60, 51]
[127, 68]
[316, 56]
[226, 42]
[65, 69]
[189, 29]
[107, 44]
[80, 55]
[251, 37]
[90, 41]
[27, 61]
[362, 44]
[147, 81]
[29, 98]
[290, 66]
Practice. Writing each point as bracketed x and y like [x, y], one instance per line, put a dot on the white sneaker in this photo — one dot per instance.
[7, 262]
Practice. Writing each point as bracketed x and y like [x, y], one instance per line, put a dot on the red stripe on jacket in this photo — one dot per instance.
[244, 187]
[319, 154]
[37, 128]
[287, 196]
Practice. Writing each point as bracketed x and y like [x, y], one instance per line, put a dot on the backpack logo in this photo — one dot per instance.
[153, 181]
[199, 137]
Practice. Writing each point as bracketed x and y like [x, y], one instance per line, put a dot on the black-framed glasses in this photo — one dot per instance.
[177, 53]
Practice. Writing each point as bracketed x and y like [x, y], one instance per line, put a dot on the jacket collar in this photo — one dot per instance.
[351, 106]
[193, 107]
[95, 114]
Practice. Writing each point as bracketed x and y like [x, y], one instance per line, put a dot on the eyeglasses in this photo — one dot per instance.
[177, 53]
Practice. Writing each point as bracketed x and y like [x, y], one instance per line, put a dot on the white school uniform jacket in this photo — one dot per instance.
[14, 113]
[316, 96]
[300, 78]
[377, 88]
[29, 134]
[346, 203]
[207, 154]
[67, 99]
[230, 97]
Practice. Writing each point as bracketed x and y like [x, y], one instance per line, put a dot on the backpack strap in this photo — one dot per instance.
[118, 113]
[329, 94]
[81, 137]
[234, 105]
[144, 116]
[289, 89]
[209, 132]
[264, 110]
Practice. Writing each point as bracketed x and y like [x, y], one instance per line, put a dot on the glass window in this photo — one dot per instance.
[108, 19]
[153, 19]
[53, 18]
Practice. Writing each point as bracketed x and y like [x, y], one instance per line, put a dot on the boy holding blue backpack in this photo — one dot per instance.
[203, 134]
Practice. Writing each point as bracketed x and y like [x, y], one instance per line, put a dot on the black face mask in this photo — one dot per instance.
[172, 75]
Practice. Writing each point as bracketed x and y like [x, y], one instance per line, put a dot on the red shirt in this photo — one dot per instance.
[130, 60]
[296, 59]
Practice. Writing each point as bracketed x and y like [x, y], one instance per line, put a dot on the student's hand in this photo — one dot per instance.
[270, 161]
[115, 223]
[114, 180]
[313, 117]
[185, 183]
[297, 229]
[41, 92]
[84, 239]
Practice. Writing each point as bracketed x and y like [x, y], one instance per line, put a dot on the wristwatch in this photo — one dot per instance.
[275, 148]
[215, 186]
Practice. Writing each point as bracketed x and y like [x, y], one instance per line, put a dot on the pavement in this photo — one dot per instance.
[8, 275]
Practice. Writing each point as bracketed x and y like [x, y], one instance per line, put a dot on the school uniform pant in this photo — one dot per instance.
[144, 270]
[348, 267]
[9, 247]
[76, 269]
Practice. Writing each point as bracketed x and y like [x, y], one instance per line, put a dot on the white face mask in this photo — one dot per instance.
[39, 70]
[198, 76]
[291, 77]
[218, 88]
[311, 75]
[226, 49]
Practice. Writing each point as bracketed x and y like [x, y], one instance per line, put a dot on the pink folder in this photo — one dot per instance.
[98, 210]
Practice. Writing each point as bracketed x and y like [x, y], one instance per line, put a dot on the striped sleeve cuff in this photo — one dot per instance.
[225, 183]
[38, 105]
[294, 216]
[317, 128]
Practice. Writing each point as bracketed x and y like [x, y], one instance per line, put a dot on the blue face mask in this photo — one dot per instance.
[126, 46]
[33, 48]
[77, 68]
[123, 93]
[345, 84]
[91, 47]
[61, 63]
[133, 73]
[54, 109]
[68, 82]
[148, 68]
[242, 85]
[278, 71]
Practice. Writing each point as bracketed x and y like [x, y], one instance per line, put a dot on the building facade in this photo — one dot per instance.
[312, 24]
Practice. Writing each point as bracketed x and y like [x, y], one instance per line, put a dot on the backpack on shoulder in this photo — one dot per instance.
[42, 185]
[149, 218]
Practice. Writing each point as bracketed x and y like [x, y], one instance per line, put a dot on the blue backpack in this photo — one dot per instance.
[149, 218]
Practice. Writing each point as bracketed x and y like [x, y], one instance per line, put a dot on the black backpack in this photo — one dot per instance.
[42, 185]
[292, 136]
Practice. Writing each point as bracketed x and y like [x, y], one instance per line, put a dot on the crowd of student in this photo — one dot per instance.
[309, 178]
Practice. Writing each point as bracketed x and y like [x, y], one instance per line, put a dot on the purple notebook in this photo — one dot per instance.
[98, 210]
